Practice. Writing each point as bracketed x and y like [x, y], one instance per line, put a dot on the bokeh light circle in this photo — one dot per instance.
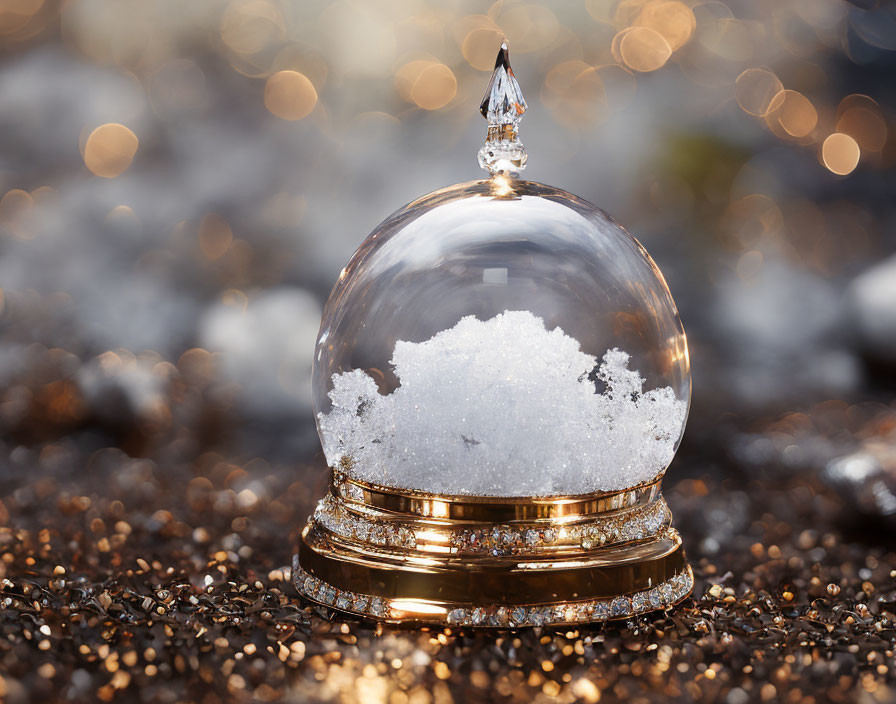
[109, 150]
[289, 95]
[758, 91]
[840, 153]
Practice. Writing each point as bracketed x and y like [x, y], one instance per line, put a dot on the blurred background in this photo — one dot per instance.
[181, 183]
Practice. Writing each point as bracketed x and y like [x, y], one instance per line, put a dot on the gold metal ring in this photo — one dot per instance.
[488, 509]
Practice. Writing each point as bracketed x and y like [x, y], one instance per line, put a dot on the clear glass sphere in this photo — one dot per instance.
[571, 376]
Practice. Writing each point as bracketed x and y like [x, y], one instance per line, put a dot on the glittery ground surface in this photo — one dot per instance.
[168, 584]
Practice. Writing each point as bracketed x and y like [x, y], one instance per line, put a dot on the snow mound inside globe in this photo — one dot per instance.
[503, 407]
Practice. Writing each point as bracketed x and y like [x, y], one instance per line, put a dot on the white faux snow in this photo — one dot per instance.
[502, 407]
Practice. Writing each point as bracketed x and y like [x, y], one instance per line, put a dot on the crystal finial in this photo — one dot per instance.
[503, 103]
[503, 106]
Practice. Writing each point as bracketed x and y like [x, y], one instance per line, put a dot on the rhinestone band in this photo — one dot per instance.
[662, 596]
[637, 524]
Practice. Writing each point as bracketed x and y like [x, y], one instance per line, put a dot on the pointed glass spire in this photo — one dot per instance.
[503, 102]
[503, 106]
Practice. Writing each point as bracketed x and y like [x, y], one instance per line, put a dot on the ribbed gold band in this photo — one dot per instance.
[490, 509]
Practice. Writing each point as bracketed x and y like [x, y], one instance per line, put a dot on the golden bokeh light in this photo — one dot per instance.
[672, 19]
[110, 149]
[840, 153]
[861, 118]
[289, 95]
[434, 88]
[479, 45]
[406, 76]
[758, 91]
[796, 114]
[641, 49]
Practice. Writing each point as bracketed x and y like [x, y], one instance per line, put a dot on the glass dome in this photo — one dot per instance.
[501, 338]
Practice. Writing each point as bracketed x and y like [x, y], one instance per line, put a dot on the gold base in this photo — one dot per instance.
[405, 556]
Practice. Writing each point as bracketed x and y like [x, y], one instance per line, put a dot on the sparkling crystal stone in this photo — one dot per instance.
[518, 616]
[583, 612]
[549, 535]
[500, 617]
[377, 608]
[407, 538]
[639, 602]
[456, 617]
[479, 615]
[539, 615]
[531, 537]
[667, 593]
[360, 603]
[620, 606]
[503, 103]
[601, 611]
[655, 598]
[329, 595]
[344, 601]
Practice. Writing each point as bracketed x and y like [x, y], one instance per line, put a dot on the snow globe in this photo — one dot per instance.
[500, 380]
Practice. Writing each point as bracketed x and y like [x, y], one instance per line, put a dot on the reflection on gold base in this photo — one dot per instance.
[406, 556]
